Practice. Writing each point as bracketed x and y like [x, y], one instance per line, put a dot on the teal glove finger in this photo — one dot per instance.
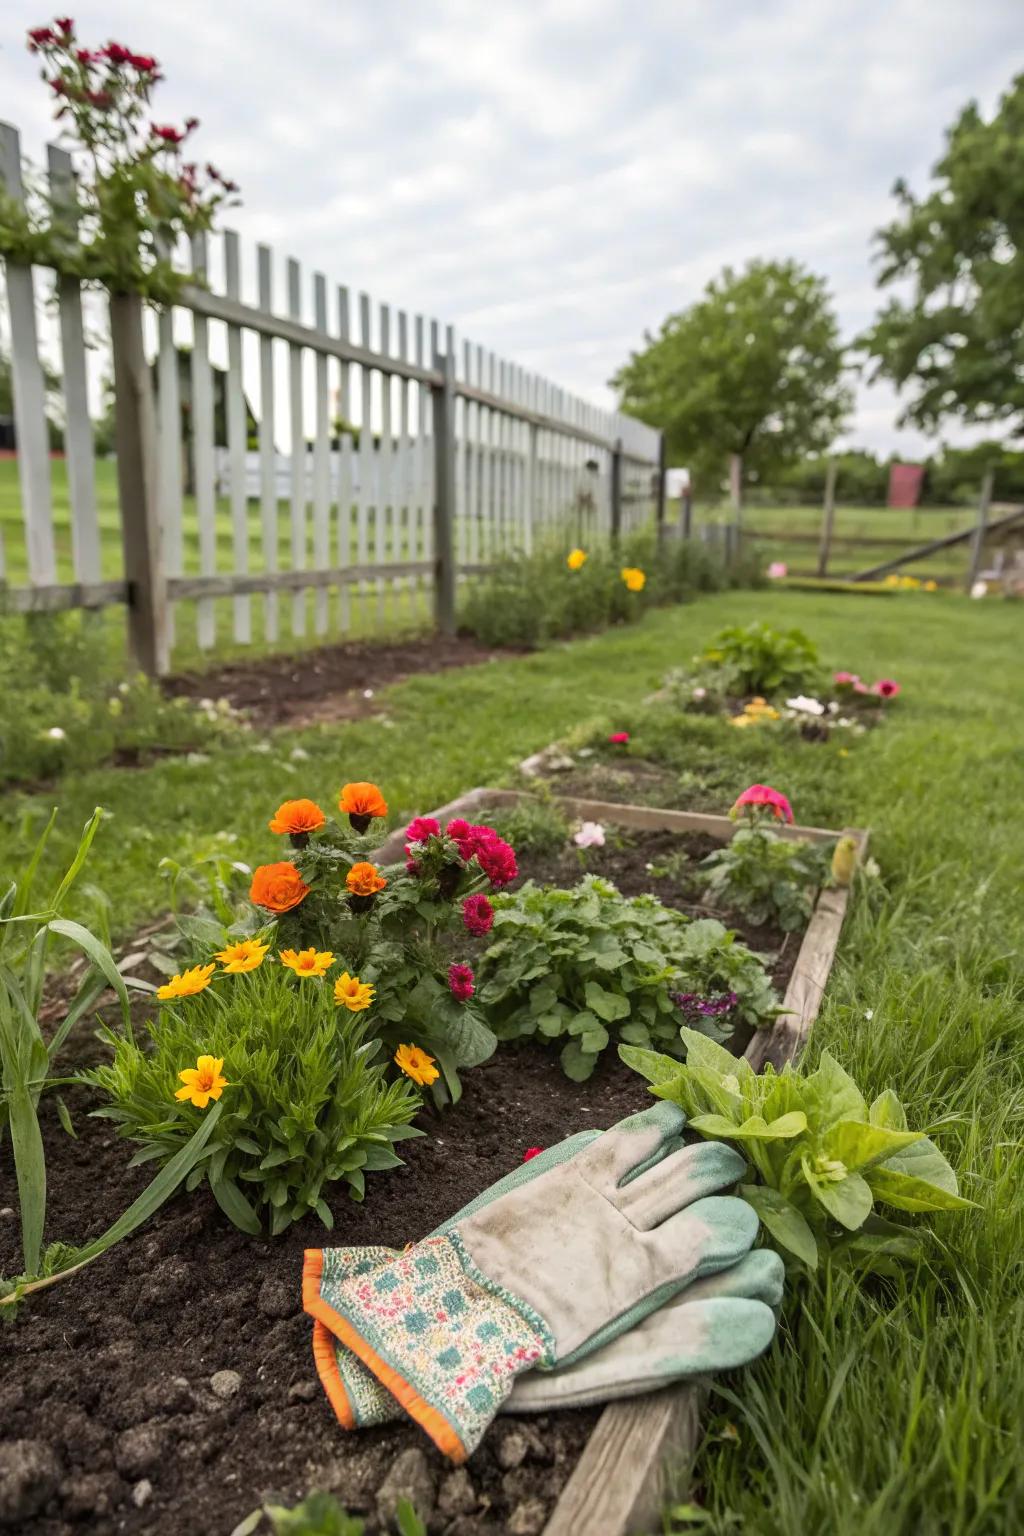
[358, 1398]
[544, 1274]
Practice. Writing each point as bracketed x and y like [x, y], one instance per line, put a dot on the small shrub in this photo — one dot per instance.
[590, 962]
[766, 877]
[301, 1084]
[756, 659]
[534, 826]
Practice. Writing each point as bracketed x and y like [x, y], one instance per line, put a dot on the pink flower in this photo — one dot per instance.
[763, 796]
[460, 982]
[458, 829]
[845, 679]
[532, 1152]
[590, 835]
[496, 857]
[859, 687]
[420, 828]
[477, 915]
[619, 738]
[886, 688]
[777, 570]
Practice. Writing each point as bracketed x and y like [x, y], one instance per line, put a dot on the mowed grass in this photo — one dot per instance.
[885, 1408]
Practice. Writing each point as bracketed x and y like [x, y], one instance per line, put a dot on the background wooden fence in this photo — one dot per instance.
[280, 439]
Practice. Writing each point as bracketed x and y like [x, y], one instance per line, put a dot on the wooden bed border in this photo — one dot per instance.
[619, 1485]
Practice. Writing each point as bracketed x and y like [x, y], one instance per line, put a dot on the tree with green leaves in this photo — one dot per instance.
[754, 368]
[956, 344]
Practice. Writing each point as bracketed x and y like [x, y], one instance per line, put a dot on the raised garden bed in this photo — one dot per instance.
[617, 1486]
[173, 1386]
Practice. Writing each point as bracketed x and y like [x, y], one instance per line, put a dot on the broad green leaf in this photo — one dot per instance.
[654, 1065]
[607, 1005]
[551, 1025]
[30, 1172]
[848, 1200]
[754, 1128]
[783, 1221]
[918, 1179]
[702, 1052]
[858, 1146]
[577, 1063]
[888, 1111]
[831, 1094]
[594, 1040]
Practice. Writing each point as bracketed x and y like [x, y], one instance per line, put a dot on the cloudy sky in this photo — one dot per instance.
[555, 176]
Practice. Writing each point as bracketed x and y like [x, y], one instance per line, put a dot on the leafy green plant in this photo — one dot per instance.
[532, 826]
[300, 1085]
[821, 1155]
[28, 930]
[766, 877]
[320, 1514]
[589, 962]
[756, 659]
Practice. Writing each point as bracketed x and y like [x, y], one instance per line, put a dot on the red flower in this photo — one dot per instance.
[460, 982]
[764, 797]
[190, 123]
[619, 738]
[532, 1152]
[420, 828]
[99, 98]
[167, 134]
[117, 53]
[477, 915]
[886, 688]
[38, 37]
[143, 62]
[66, 25]
[496, 857]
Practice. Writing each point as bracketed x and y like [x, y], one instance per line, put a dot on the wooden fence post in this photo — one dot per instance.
[736, 487]
[978, 539]
[828, 517]
[444, 486]
[617, 493]
[137, 484]
[660, 501]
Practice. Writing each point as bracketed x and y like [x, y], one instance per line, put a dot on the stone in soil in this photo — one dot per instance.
[528, 1518]
[29, 1475]
[410, 1477]
[225, 1384]
[140, 1450]
[456, 1496]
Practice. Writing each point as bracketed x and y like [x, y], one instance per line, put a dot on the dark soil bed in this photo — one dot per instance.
[663, 863]
[329, 683]
[108, 1374]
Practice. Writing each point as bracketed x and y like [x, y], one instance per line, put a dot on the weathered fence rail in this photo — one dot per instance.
[326, 448]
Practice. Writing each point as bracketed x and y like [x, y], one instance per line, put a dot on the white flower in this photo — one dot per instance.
[979, 589]
[299, 755]
[833, 708]
[262, 746]
[699, 693]
[590, 835]
[367, 693]
[207, 704]
[872, 869]
[805, 706]
[585, 752]
[869, 1014]
[57, 733]
[196, 759]
[124, 687]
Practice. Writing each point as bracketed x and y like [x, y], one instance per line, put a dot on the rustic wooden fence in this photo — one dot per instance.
[381, 462]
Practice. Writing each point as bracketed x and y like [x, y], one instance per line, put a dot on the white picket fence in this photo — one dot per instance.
[461, 456]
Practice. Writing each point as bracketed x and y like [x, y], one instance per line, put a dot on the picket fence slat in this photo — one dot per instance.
[298, 447]
[344, 537]
[169, 478]
[321, 460]
[202, 419]
[78, 440]
[268, 487]
[237, 432]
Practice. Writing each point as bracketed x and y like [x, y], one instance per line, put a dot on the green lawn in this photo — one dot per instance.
[884, 1408]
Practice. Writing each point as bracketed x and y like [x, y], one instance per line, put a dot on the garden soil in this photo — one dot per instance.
[169, 1388]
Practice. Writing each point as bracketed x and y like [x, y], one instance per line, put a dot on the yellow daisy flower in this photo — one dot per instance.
[307, 962]
[246, 955]
[188, 983]
[351, 993]
[416, 1064]
[203, 1082]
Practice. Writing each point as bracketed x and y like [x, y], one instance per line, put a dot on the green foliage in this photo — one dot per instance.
[590, 963]
[956, 341]
[532, 826]
[757, 659]
[766, 877]
[529, 599]
[306, 1103]
[28, 927]
[755, 368]
[821, 1155]
[57, 675]
[319, 1514]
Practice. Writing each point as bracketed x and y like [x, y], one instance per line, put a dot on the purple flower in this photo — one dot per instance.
[695, 1007]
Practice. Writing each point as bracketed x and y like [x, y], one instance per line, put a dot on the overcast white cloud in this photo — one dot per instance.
[555, 176]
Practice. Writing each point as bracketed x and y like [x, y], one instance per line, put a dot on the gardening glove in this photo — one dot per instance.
[543, 1275]
[716, 1324]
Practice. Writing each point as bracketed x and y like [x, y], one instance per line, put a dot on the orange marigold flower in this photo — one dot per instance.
[361, 803]
[307, 962]
[576, 559]
[351, 993]
[415, 1063]
[634, 578]
[203, 1082]
[246, 955]
[277, 887]
[363, 880]
[188, 983]
[298, 818]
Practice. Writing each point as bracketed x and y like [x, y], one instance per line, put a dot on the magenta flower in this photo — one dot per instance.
[845, 679]
[619, 738]
[460, 982]
[886, 688]
[532, 1152]
[477, 915]
[420, 828]
[763, 797]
